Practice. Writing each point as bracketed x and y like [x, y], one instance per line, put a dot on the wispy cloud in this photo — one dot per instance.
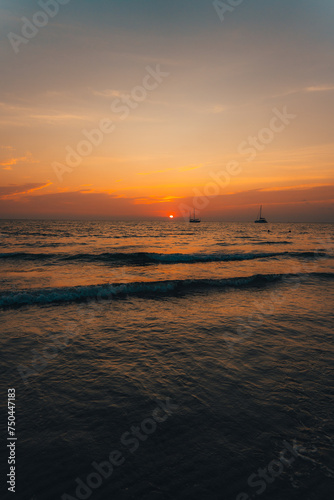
[191, 167]
[108, 93]
[298, 90]
[58, 117]
[314, 203]
[217, 109]
[21, 114]
[172, 169]
[8, 163]
[23, 189]
[150, 200]
[319, 88]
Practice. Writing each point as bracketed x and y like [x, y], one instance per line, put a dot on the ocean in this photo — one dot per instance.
[167, 360]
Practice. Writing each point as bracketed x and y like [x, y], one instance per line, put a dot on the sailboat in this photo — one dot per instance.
[194, 218]
[260, 219]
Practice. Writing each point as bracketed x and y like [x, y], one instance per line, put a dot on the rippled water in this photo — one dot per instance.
[228, 325]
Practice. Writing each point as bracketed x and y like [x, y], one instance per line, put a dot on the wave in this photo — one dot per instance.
[26, 256]
[23, 233]
[144, 258]
[47, 296]
[272, 243]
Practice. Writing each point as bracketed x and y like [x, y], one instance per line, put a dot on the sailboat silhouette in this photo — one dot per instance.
[261, 219]
[194, 218]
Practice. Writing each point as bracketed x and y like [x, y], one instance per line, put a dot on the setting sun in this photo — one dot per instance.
[171, 216]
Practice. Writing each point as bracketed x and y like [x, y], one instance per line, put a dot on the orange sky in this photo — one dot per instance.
[156, 102]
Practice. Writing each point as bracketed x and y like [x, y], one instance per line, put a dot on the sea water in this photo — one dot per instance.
[168, 360]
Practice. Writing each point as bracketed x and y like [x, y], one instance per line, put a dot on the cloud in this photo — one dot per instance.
[23, 189]
[218, 108]
[108, 93]
[14, 160]
[191, 167]
[151, 200]
[22, 114]
[68, 204]
[300, 203]
[173, 169]
[320, 88]
[58, 117]
[312, 204]
[157, 171]
[284, 195]
[7, 164]
[313, 88]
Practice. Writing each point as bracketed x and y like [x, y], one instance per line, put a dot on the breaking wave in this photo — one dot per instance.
[142, 258]
[149, 289]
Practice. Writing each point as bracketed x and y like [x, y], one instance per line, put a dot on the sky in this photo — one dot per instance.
[143, 109]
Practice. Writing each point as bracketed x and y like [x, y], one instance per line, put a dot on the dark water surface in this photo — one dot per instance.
[199, 360]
